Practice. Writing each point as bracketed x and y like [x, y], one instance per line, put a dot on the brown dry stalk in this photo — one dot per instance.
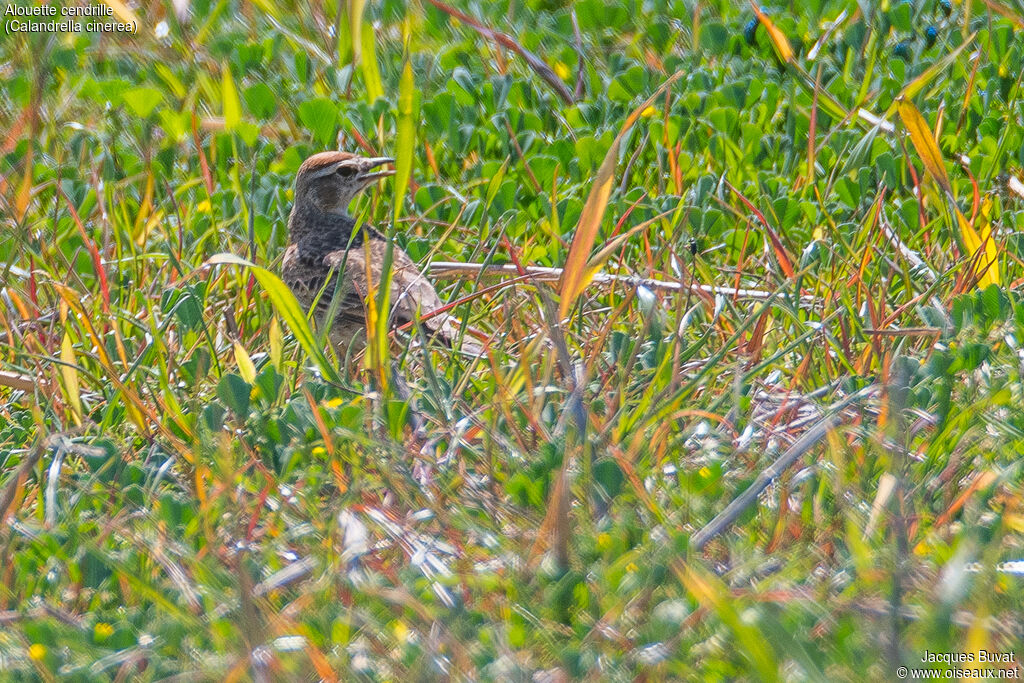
[455, 270]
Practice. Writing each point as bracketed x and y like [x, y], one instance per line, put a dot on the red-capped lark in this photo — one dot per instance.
[324, 243]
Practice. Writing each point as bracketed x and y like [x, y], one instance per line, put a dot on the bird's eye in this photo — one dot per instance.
[346, 171]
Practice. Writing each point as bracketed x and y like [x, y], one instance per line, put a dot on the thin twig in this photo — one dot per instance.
[453, 270]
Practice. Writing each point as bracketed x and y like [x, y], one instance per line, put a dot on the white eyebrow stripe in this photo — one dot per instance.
[327, 170]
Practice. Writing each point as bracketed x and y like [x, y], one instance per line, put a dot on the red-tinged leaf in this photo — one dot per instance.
[924, 142]
[982, 250]
[780, 251]
[207, 176]
[94, 252]
[24, 195]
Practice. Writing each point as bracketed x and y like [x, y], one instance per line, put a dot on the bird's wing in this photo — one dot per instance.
[412, 295]
[410, 291]
[307, 276]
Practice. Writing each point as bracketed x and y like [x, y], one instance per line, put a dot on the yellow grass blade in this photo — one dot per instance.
[69, 377]
[982, 250]
[355, 28]
[25, 191]
[276, 343]
[246, 368]
[376, 320]
[779, 40]
[929, 74]
[924, 142]
[232, 105]
[574, 275]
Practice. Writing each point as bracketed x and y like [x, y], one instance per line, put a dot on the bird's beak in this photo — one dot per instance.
[369, 164]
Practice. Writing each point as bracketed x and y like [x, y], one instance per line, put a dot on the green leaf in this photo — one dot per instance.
[235, 391]
[371, 73]
[405, 141]
[320, 116]
[142, 101]
[609, 475]
[260, 100]
[900, 17]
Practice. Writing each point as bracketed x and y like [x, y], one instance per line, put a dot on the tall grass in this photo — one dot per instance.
[777, 437]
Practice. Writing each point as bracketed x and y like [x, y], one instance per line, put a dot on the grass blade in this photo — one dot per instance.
[924, 142]
[405, 141]
[929, 74]
[985, 266]
[779, 41]
[371, 73]
[287, 307]
[574, 275]
[69, 377]
[232, 105]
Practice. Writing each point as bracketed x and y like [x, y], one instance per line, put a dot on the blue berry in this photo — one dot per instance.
[902, 50]
[947, 7]
[750, 31]
[930, 35]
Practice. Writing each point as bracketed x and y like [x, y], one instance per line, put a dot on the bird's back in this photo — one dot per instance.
[310, 267]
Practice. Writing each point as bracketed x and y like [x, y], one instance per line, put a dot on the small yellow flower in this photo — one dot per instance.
[631, 567]
[103, 630]
[37, 651]
[401, 631]
[604, 541]
[203, 206]
[562, 70]
[648, 112]
[334, 403]
[319, 450]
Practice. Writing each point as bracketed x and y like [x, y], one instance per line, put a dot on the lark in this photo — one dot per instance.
[330, 261]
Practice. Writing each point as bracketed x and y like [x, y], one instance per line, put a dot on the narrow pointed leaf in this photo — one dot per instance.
[229, 93]
[983, 251]
[405, 141]
[246, 368]
[69, 376]
[287, 307]
[924, 142]
[371, 72]
[574, 275]
[355, 27]
[929, 74]
[779, 40]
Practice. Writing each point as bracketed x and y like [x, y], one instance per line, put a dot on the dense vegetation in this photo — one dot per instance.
[192, 483]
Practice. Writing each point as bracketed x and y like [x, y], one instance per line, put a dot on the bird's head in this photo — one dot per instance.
[331, 180]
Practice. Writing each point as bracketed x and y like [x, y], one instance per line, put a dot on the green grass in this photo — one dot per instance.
[191, 483]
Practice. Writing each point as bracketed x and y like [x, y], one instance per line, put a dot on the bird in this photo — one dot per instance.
[325, 242]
